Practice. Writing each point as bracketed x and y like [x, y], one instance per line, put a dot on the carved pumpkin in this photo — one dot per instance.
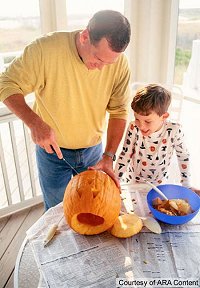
[91, 202]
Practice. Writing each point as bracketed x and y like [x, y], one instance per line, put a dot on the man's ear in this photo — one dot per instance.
[84, 36]
[165, 115]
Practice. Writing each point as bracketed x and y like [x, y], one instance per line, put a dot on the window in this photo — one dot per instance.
[187, 75]
[187, 68]
[79, 11]
[19, 25]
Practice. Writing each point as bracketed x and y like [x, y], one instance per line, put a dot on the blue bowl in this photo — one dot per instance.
[174, 192]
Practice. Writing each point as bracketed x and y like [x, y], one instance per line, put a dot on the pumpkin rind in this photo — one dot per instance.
[126, 226]
[91, 194]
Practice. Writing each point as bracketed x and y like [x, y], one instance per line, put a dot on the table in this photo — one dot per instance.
[151, 254]
[26, 268]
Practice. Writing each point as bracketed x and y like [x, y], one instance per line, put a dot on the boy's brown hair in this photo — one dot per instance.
[151, 98]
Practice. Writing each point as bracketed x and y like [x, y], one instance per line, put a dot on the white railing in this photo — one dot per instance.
[19, 187]
[7, 57]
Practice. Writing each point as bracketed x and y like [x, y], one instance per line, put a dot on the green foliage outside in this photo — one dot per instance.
[181, 63]
[182, 57]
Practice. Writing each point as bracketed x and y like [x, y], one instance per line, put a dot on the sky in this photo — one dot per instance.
[31, 7]
[189, 4]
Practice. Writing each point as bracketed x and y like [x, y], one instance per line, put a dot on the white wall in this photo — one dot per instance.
[53, 15]
[152, 49]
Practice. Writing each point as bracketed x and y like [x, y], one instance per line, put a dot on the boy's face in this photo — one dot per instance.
[149, 124]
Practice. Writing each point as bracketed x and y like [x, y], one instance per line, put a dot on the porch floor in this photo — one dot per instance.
[12, 233]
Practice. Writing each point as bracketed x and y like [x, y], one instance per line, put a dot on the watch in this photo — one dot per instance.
[111, 155]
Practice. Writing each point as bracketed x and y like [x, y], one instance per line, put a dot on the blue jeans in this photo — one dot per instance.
[54, 173]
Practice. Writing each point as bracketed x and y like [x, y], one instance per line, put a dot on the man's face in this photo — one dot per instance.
[96, 57]
[149, 124]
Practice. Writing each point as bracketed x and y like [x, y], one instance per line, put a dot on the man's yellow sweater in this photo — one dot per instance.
[70, 98]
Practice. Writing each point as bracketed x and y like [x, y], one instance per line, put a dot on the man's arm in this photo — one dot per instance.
[42, 134]
[115, 132]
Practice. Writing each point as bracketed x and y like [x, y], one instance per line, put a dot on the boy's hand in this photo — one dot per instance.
[195, 190]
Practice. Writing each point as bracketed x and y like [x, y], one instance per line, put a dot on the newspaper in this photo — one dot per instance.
[73, 260]
[174, 255]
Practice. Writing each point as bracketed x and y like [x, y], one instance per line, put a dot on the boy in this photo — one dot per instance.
[151, 139]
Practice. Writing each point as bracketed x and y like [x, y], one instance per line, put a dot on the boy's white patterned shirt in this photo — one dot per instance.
[149, 157]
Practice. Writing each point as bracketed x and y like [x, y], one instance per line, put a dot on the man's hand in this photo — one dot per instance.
[44, 136]
[106, 165]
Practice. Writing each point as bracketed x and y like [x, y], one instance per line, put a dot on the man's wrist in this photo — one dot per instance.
[110, 154]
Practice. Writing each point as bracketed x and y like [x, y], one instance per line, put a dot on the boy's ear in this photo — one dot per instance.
[165, 115]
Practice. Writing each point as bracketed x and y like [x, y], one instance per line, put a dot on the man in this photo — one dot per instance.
[76, 76]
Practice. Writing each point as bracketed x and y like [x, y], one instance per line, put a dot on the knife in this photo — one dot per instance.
[66, 161]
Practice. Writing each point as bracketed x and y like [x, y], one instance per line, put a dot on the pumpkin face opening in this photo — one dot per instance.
[90, 219]
[91, 202]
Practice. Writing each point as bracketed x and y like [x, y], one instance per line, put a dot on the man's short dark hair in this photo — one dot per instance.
[151, 98]
[112, 25]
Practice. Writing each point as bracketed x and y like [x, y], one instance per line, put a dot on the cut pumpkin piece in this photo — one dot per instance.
[126, 226]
